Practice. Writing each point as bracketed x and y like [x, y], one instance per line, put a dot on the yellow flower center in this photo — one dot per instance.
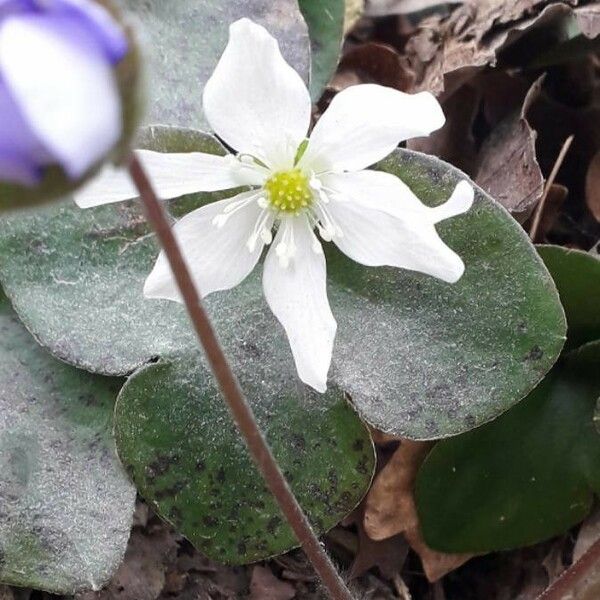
[289, 191]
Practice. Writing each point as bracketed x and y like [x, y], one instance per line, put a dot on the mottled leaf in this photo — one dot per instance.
[175, 435]
[419, 357]
[528, 476]
[65, 503]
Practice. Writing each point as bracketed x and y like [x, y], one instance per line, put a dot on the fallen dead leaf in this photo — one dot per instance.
[383, 8]
[390, 509]
[374, 62]
[454, 142]
[448, 52]
[354, 11]
[389, 506]
[555, 200]
[265, 586]
[508, 168]
[141, 576]
[592, 186]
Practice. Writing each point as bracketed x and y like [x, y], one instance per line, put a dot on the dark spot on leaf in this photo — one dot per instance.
[176, 514]
[170, 491]
[221, 475]
[273, 524]
[210, 521]
[358, 445]
[298, 441]
[159, 467]
[535, 353]
[251, 349]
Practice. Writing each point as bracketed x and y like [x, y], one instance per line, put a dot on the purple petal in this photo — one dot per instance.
[16, 169]
[64, 88]
[94, 17]
[20, 150]
[99, 22]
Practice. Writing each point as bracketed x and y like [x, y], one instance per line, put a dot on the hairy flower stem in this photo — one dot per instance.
[238, 405]
[564, 588]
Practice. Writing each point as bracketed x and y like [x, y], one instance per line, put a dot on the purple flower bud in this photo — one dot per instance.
[59, 100]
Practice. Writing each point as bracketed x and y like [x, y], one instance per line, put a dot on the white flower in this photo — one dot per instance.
[260, 107]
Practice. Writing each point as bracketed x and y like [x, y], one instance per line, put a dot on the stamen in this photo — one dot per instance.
[289, 191]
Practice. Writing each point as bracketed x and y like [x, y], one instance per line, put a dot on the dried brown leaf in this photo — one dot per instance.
[508, 169]
[374, 62]
[454, 142]
[382, 8]
[142, 573]
[445, 54]
[390, 508]
[265, 586]
[387, 555]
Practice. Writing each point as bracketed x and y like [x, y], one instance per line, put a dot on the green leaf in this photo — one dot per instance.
[325, 20]
[65, 502]
[419, 357]
[177, 439]
[180, 64]
[528, 476]
[577, 277]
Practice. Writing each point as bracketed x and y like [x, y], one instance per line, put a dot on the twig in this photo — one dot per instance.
[537, 217]
[563, 587]
[239, 407]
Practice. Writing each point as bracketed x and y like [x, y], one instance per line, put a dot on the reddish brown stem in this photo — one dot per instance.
[563, 587]
[238, 405]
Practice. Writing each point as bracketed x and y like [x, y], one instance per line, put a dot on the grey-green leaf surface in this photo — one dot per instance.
[577, 276]
[185, 38]
[176, 437]
[419, 357]
[65, 502]
[530, 475]
[325, 20]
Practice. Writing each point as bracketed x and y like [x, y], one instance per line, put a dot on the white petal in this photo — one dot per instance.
[297, 295]
[254, 100]
[64, 86]
[364, 123]
[172, 175]
[217, 257]
[384, 235]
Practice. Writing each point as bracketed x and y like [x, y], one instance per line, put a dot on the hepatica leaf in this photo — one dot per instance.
[577, 276]
[528, 476]
[65, 502]
[175, 435]
[533, 472]
[417, 357]
[180, 64]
